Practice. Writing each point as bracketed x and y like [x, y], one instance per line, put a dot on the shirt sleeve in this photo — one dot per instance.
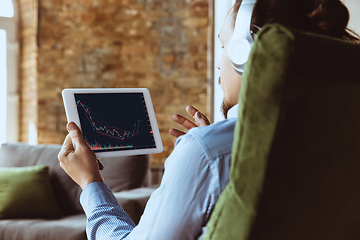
[176, 210]
[105, 217]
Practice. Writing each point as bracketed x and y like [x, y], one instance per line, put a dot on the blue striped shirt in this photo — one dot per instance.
[195, 174]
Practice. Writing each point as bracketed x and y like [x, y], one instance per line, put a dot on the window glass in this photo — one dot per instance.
[3, 86]
[6, 8]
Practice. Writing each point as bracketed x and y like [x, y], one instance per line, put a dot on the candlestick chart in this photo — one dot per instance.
[101, 127]
[114, 122]
[98, 146]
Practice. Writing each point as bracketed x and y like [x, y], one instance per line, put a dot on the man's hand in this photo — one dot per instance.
[80, 163]
[200, 120]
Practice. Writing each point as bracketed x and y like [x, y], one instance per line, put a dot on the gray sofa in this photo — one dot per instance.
[126, 176]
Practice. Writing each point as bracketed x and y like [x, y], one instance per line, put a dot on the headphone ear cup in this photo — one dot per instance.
[238, 52]
[241, 41]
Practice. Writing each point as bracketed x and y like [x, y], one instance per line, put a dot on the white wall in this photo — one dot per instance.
[3, 85]
[354, 9]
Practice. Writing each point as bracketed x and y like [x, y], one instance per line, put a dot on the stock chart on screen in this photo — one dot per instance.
[114, 121]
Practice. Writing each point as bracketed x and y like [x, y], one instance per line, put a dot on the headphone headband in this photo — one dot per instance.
[241, 41]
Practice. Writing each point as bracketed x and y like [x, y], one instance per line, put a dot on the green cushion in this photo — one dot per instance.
[25, 192]
[294, 170]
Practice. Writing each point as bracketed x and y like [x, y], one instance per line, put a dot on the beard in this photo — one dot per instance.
[225, 107]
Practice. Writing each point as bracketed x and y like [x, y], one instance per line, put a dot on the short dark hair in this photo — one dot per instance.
[327, 17]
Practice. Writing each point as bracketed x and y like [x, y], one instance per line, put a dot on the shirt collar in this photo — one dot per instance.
[233, 112]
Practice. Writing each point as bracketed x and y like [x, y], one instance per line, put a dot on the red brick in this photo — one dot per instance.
[161, 45]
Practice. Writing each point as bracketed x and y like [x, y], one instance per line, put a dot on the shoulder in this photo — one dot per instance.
[214, 140]
[195, 174]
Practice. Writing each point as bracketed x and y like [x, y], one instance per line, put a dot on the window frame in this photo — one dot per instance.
[221, 8]
[10, 25]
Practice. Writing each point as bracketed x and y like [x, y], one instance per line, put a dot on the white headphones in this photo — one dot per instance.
[241, 41]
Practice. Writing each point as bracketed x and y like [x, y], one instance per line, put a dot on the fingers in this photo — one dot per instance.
[101, 166]
[184, 121]
[201, 120]
[66, 148]
[175, 132]
[68, 143]
[191, 110]
[75, 134]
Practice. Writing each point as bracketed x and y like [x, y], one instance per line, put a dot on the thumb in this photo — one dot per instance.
[75, 134]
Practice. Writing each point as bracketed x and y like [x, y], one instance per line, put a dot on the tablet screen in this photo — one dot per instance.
[114, 121]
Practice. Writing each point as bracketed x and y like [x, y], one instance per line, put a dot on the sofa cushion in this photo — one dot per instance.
[69, 228]
[66, 191]
[125, 173]
[25, 192]
[122, 173]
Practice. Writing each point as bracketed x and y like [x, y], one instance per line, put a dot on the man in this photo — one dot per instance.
[195, 174]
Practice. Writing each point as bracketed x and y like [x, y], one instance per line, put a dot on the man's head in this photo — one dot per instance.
[327, 17]
[229, 79]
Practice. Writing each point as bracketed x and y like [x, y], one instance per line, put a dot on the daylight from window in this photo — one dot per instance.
[6, 9]
[2, 86]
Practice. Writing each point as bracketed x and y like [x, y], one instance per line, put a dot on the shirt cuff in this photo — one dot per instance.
[96, 194]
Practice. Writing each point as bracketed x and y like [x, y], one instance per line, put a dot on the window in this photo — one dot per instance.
[3, 84]
[7, 9]
[221, 9]
[8, 72]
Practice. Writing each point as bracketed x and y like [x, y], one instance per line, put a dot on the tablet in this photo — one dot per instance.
[114, 121]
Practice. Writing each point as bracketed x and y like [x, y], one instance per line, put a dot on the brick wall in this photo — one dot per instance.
[28, 66]
[161, 45]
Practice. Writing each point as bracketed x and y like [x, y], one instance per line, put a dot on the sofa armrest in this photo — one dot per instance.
[134, 201]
